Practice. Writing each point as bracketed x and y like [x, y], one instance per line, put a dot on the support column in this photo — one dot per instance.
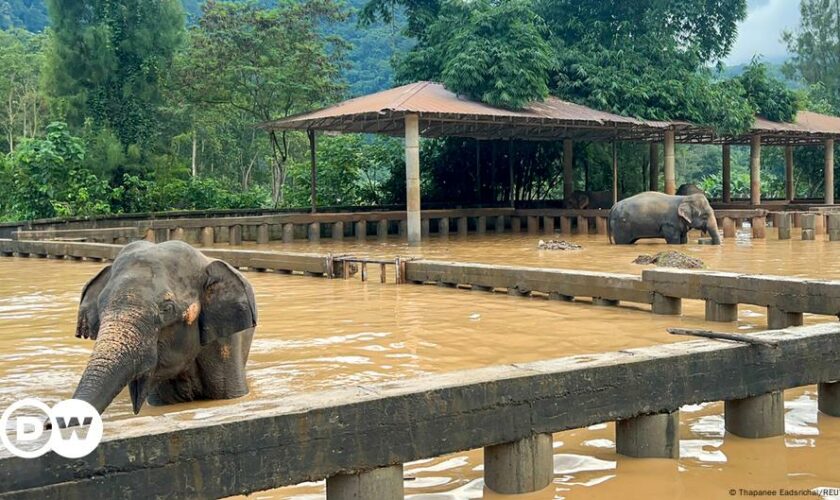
[510, 172]
[548, 224]
[723, 313]
[515, 224]
[385, 483]
[756, 417]
[829, 171]
[313, 187]
[263, 234]
[568, 173]
[337, 232]
[361, 230]
[783, 220]
[288, 233]
[833, 227]
[177, 234]
[412, 177]
[755, 169]
[462, 226]
[670, 163]
[649, 436]
[778, 319]
[314, 231]
[481, 224]
[671, 306]
[614, 174]
[523, 466]
[425, 227]
[809, 227]
[500, 223]
[828, 398]
[729, 229]
[790, 189]
[533, 224]
[443, 226]
[726, 150]
[478, 170]
[235, 235]
[208, 236]
[654, 167]
[382, 229]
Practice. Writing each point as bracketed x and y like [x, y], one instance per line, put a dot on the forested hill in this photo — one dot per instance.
[369, 59]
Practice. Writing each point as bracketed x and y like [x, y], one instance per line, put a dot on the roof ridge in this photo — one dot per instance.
[420, 86]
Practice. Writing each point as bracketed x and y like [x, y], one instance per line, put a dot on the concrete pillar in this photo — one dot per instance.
[263, 234]
[481, 224]
[834, 227]
[797, 219]
[443, 226]
[671, 306]
[462, 226]
[385, 483]
[784, 222]
[670, 163]
[790, 188]
[828, 398]
[582, 225]
[288, 233]
[515, 225]
[382, 229]
[337, 232]
[809, 225]
[412, 177]
[565, 225]
[829, 171]
[756, 417]
[150, 235]
[314, 231]
[724, 313]
[208, 236]
[727, 173]
[403, 228]
[649, 436]
[177, 234]
[523, 466]
[568, 173]
[533, 224]
[819, 227]
[759, 227]
[361, 230]
[654, 167]
[755, 169]
[614, 173]
[728, 227]
[548, 224]
[235, 237]
[601, 225]
[425, 228]
[500, 223]
[778, 319]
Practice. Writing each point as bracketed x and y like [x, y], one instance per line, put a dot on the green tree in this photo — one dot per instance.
[770, 98]
[815, 47]
[21, 102]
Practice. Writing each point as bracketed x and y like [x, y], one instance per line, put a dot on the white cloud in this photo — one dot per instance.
[761, 31]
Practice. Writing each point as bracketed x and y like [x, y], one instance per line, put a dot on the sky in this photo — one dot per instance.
[761, 31]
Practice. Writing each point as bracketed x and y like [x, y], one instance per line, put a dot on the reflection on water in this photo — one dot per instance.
[318, 334]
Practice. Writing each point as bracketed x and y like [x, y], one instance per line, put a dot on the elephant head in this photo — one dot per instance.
[578, 200]
[151, 314]
[696, 212]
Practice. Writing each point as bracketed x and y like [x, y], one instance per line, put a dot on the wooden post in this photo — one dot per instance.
[670, 163]
[313, 187]
[614, 174]
[568, 173]
[790, 188]
[654, 167]
[727, 173]
[755, 169]
[829, 171]
[412, 177]
[385, 483]
[522, 466]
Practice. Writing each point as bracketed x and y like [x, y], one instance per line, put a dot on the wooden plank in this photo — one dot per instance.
[248, 446]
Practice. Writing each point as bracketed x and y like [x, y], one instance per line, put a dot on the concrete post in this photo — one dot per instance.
[755, 169]
[582, 224]
[425, 228]
[565, 225]
[462, 226]
[790, 188]
[724, 313]
[670, 163]
[337, 232]
[177, 234]
[208, 236]
[809, 226]
[288, 233]
[829, 171]
[614, 173]
[819, 226]
[649, 436]
[797, 219]
[568, 173]
[653, 181]
[834, 227]
[728, 227]
[784, 223]
[601, 225]
[403, 228]
[314, 231]
[548, 224]
[150, 235]
[727, 173]
[828, 398]
[533, 224]
[759, 227]
[361, 230]
[382, 229]
[500, 223]
[523, 466]
[778, 319]
[385, 483]
[481, 224]
[515, 225]
[671, 306]
[412, 177]
[756, 417]
[263, 234]
[235, 237]
[443, 226]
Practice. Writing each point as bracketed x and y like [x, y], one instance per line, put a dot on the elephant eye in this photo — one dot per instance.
[167, 308]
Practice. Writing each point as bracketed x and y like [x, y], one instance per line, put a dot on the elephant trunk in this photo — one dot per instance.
[120, 357]
[713, 231]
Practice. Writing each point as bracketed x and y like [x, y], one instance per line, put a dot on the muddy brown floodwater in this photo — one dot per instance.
[317, 334]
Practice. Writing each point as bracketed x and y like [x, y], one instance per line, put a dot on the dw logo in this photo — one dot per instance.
[76, 428]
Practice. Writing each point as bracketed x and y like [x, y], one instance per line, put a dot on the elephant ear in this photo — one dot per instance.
[227, 303]
[684, 211]
[87, 323]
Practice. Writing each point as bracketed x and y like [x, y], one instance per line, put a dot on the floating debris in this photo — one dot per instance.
[671, 259]
[557, 245]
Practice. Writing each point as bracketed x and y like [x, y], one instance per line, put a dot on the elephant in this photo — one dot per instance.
[169, 323]
[687, 189]
[589, 199]
[657, 215]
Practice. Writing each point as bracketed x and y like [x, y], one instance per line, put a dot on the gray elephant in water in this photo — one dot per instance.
[658, 215]
[169, 323]
[589, 199]
[687, 189]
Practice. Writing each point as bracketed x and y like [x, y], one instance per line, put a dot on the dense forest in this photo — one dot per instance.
[112, 106]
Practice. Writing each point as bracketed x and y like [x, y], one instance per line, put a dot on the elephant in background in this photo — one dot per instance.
[658, 215]
[687, 189]
[590, 199]
[169, 323]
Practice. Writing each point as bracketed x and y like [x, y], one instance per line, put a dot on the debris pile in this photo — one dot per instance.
[671, 259]
[557, 245]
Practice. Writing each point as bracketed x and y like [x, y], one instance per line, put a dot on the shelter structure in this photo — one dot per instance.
[428, 109]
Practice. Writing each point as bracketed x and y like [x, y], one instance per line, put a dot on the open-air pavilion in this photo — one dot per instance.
[427, 109]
